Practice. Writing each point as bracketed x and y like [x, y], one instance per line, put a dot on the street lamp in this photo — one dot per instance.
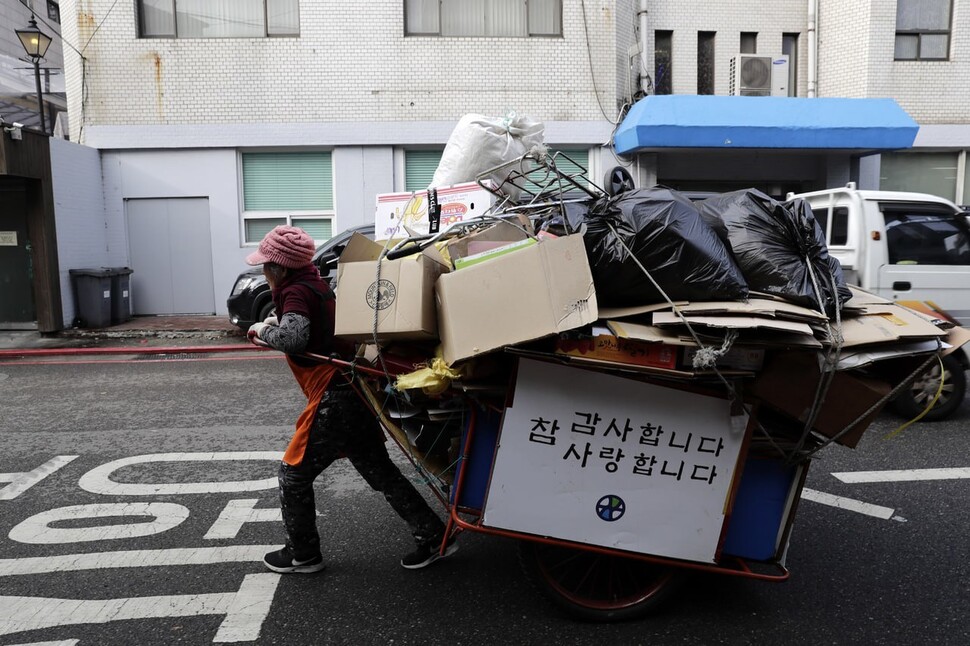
[35, 43]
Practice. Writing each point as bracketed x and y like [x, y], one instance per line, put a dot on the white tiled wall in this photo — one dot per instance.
[856, 59]
[727, 19]
[351, 63]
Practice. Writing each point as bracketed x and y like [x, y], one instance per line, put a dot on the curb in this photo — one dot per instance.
[47, 352]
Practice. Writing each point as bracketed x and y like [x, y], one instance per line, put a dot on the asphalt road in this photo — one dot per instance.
[901, 577]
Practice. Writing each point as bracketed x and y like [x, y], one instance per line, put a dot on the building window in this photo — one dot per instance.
[789, 45]
[54, 11]
[933, 173]
[662, 61]
[839, 235]
[512, 18]
[287, 188]
[218, 18]
[542, 184]
[749, 42]
[923, 30]
[705, 62]
[419, 168]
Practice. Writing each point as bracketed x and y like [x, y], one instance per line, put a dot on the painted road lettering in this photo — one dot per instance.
[37, 529]
[98, 480]
[21, 482]
[237, 513]
[244, 610]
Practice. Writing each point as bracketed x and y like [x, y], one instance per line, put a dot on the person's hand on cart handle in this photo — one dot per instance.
[254, 331]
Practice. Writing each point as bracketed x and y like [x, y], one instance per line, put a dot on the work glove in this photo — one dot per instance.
[254, 331]
[271, 320]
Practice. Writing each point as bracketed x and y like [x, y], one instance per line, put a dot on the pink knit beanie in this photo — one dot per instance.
[287, 246]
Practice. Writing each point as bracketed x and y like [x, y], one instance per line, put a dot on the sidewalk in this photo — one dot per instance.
[139, 332]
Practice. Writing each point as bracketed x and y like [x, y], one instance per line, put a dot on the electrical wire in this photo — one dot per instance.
[96, 29]
[592, 74]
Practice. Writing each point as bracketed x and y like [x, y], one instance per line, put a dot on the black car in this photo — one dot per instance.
[250, 299]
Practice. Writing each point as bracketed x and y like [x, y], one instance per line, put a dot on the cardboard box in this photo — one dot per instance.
[737, 358]
[788, 385]
[499, 234]
[605, 347]
[887, 323]
[458, 203]
[499, 249]
[404, 297]
[538, 291]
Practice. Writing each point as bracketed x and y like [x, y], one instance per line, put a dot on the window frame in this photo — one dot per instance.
[706, 62]
[920, 215]
[529, 32]
[663, 61]
[920, 33]
[139, 10]
[285, 216]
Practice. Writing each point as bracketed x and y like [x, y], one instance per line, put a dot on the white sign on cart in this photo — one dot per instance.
[603, 460]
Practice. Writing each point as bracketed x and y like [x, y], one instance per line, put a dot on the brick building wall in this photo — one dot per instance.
[351, 63]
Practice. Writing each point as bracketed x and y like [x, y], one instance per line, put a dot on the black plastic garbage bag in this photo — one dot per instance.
[775, 243]
[667, 235]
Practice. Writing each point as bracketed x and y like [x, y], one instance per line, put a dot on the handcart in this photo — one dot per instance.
[616, 480]
[455, 439]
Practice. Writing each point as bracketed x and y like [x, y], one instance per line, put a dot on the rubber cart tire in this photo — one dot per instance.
[911, 401]
[597, 587]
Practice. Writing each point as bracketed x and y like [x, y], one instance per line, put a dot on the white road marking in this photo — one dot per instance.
[21, 482]
[236, 514]
[245, 609]
[97, 480]
[66, 642]
[903, 475]
[134, 558]
[36, 530]
[849, 504]
[250, 606]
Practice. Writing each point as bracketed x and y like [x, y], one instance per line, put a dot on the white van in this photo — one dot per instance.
[912, 248]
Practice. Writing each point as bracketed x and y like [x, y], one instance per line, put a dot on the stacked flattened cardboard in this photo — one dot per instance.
[501, 288]
[499, 282]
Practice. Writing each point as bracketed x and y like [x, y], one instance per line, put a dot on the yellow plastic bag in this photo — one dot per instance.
[432, 379]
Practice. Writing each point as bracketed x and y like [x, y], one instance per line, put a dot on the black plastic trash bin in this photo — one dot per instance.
[120, 290]
[92, 296]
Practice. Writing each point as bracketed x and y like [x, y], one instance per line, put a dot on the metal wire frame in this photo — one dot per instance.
[537, 174]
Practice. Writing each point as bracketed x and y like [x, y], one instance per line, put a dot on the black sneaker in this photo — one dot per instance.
[428, 554]
[283, 562]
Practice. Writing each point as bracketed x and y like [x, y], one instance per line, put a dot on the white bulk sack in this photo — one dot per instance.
[478, 143]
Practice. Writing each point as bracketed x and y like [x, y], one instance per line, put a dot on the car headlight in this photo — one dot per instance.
[242, 284]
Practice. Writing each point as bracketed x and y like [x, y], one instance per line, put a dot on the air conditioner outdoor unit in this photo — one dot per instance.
[759, 75]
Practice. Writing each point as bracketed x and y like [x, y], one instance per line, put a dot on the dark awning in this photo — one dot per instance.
[693, 121]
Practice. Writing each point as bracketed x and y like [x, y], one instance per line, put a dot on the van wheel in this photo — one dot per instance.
[912, 401]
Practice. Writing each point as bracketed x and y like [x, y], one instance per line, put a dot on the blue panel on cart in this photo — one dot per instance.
[479, 467]
[759, 509]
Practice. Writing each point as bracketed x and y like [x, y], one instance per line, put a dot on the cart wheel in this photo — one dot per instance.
[597, 587]
[911, 402]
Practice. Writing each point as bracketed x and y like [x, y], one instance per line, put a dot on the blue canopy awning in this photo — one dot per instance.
[730, 122]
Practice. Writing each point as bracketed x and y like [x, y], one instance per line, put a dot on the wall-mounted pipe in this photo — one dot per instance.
[812, 48]
[644, 75]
